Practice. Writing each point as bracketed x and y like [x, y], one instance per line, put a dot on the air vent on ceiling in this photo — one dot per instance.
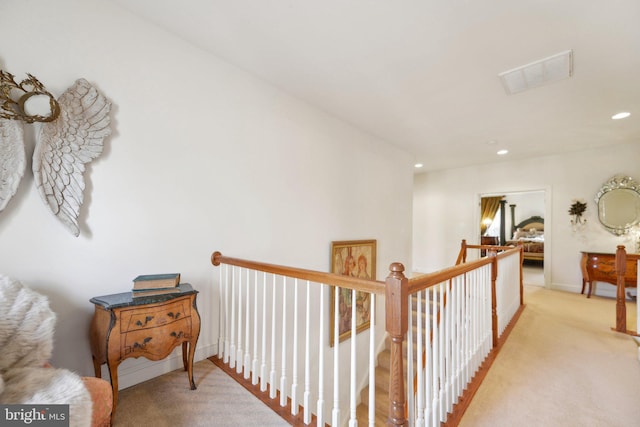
[538, 73]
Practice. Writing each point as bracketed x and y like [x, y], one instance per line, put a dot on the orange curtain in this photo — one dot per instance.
[488, 208]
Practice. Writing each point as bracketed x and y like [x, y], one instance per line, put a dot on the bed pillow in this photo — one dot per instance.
[519, 234]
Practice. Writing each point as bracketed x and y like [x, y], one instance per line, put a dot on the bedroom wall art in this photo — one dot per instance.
[72, 132]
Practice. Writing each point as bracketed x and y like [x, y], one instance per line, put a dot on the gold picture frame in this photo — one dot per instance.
[356, 258]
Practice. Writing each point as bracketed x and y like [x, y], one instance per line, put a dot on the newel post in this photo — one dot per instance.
[396, 304]
[621, 271]
[462, 255]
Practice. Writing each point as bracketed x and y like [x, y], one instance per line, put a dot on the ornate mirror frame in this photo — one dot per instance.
[618, 203]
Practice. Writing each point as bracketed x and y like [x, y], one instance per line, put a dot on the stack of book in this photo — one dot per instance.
[155, 284]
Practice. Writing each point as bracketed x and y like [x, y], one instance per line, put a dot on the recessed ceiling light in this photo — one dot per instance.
[491, 142]
[622, 115]
[502, 152]
[418, 165]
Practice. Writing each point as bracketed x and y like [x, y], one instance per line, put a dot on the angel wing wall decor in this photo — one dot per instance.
[71, 135]
[12, 159]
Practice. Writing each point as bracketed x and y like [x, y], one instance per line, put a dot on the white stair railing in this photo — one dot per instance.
[261, 326]
[249, 332]
[455, 334]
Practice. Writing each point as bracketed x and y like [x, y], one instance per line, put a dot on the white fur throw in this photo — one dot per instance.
[26, 326]
[26, 342]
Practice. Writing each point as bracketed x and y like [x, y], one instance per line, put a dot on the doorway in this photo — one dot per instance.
[520, 217]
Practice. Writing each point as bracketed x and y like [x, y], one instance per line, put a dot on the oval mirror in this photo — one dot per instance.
[618, 204]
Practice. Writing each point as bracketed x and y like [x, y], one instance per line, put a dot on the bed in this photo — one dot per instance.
[530, 234]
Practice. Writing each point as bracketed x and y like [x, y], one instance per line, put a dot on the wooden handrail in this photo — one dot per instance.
[331, 279]
[427, 280]
[424, 281]
[462, 255]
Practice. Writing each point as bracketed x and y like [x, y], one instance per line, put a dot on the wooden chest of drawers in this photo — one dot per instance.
[601, 267]
[151, 327]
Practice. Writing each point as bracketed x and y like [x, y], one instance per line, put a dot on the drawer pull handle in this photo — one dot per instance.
[175, 316]
[146, 320]
[177, 335]
[144, 343]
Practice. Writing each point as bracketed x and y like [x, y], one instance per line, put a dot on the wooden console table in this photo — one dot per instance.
[124, 327]
[601, 267]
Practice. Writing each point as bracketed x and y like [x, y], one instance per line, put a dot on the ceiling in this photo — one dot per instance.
[423, 74]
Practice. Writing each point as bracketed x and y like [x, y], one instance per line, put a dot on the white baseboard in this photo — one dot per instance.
[135, 371]
[565, 288]
[600, 289]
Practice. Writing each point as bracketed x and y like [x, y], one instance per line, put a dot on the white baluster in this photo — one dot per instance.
[465, 331]
[294, 373]
[232, 347]
[321, 344]
[486, 310]
[447, 348]
[441, 356]
[283, 376]
[263, 366]
[460, 386]
[221, 312]
[247, 334]
[307, 357]
[435, 406]
[410, 398]
[454, 340]
[239, 342]
[428, 368]
[335, 413]
[254, 367]
[353, 422]
[474, 322]
[372, 361]
[272, 376]
[419, 351]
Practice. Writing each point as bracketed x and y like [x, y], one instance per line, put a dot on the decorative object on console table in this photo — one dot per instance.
[156, 281]
[355, 258]
[124, 327]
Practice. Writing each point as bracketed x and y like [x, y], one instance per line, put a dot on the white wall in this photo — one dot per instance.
[203, 157]
[446, 207]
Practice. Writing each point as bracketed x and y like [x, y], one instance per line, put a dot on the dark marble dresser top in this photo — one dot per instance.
[125, 299]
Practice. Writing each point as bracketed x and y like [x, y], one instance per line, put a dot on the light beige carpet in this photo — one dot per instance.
[562, 366]
[167, 401]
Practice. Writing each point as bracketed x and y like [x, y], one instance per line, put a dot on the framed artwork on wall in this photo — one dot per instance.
[355, 258]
